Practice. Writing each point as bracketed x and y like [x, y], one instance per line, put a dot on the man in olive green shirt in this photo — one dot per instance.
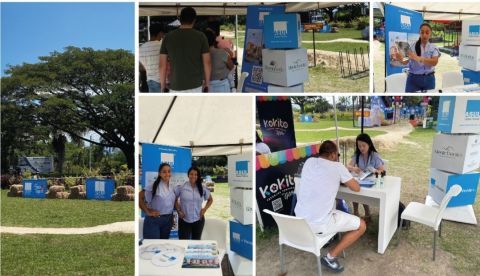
[188, 53]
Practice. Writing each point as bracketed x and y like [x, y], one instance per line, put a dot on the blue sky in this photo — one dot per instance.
[30, 30]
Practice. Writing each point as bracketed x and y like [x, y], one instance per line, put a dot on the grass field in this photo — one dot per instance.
[411, 254]
[323, 79]
[313, 136]
[29, 212]
[220, 208]
[95, 254]
[323, 124]
[337, 46]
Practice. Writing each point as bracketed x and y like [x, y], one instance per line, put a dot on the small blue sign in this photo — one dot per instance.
[100, 189]
[470, 76]
[474, 30]
[34, 188]
[282, 31]
[241, 239]
[446, 108]
[241, 167]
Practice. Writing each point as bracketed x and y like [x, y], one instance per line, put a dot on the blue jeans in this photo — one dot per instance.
[219, 86]
[157, 227]
[419, 83]
[153, 86]
[190, 231]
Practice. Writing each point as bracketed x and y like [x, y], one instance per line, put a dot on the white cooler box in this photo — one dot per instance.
[441, 182]
[471, 32]
[469, 57]
[285, 67]
[459, 114]
[241, 205]
[456, 153]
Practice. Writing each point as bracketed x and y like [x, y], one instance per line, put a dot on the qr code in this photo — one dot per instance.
[257, 75]
[277, 204]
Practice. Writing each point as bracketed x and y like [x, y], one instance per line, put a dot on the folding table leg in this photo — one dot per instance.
[440, 230]
[434, 243]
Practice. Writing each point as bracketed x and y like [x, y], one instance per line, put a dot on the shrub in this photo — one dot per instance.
[361, 22]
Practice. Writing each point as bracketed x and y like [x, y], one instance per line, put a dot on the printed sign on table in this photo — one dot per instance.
[34, 188]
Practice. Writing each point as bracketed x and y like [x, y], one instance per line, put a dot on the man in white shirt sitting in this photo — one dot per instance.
[321, 178]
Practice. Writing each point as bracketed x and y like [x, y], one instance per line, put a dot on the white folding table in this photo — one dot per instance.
[387, 199]
[146, 267]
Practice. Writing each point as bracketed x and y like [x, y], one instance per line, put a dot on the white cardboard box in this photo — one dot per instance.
[459, 114]
[469, 57]
[456, 153]
[285, 67]
[471, 32]
[441, 182]
[240, 170]
[241, 205]
[280, 89]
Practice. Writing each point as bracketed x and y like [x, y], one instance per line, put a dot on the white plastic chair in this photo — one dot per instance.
[241, 81]
[396, 82]
[296, 233]
[450, 79]
[216, 230]
[430, 215]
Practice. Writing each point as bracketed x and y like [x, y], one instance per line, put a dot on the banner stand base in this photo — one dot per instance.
[463, 214]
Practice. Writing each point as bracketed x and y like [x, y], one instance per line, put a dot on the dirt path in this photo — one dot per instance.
[123, 226]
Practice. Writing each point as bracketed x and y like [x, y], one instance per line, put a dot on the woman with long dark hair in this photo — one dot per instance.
[190, 198]
[157, 200]
[421, 62]
[366, 158]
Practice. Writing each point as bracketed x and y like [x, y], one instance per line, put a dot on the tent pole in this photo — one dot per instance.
[164, 119]
[148, 28]
[362, 99]
[336, 121]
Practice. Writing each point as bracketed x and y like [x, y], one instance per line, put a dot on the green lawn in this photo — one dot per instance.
[95, 254]
[338, 46]
[323, 124]
[343, 33]
[323, 79]
[457, 249]
[220, 208]
[335, 47]
[313, 136]
[29, 212]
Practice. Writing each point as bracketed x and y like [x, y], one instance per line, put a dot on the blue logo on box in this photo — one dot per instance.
[282, 31]
[473, 109]
[241, 168]
[474, 30]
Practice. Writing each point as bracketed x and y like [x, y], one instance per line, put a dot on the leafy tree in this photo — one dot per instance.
[77, 90]
[302, 101]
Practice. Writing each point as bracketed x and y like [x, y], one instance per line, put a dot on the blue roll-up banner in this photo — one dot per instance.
[100, 189]
[276, 123]
[252, 54]
[179, 159]
[34, 188]
[402, 27]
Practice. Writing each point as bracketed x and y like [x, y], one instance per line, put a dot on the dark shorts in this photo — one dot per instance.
[419, 83]
[157, 227]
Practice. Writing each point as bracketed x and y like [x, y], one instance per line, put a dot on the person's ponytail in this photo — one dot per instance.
[157, 181]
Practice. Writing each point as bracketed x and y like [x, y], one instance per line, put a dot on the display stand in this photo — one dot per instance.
[463, 214]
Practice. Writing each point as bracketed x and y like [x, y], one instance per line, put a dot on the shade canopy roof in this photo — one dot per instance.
[227, 8]
[441, 10]
[210, 125]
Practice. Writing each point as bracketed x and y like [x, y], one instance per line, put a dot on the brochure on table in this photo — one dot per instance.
[401, 29]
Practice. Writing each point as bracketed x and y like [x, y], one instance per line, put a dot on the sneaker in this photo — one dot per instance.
[333, 264]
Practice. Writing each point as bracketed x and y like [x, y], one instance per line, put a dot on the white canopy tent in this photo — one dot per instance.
[228, 8]
[441, 10]
[210, 125]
